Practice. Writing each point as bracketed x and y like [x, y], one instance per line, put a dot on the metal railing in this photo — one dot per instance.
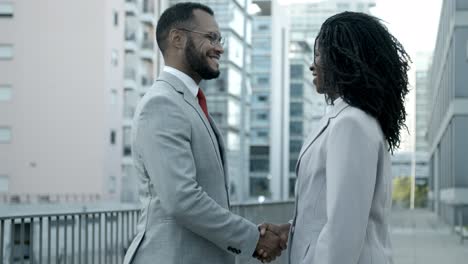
[83, 235]
[72, 237]
[459, 223]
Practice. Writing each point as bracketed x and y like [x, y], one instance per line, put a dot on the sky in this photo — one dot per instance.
[413, 22]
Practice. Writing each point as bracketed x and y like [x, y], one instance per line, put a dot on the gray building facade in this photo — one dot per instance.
[448, 122]
[269, 137]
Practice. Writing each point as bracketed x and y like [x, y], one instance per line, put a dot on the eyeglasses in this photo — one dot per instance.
[213, 37]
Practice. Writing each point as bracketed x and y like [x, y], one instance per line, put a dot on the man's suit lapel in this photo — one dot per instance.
[179, 86]
[223, 156]
[340, 106]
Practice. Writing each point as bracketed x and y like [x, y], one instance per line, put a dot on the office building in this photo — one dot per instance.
[448, 118]
[268, 178]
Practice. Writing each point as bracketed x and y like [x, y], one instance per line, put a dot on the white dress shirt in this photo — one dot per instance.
[187, 80]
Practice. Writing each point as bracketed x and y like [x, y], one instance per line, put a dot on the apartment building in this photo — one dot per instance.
[71, 73]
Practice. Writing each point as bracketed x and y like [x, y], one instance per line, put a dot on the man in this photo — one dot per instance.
[180, 158]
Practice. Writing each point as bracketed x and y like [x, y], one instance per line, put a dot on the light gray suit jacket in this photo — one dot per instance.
[343, 192]
[181, 164]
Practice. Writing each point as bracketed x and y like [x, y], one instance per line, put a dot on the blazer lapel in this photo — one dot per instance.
[310, 139]
[179, 86]
[338, 107]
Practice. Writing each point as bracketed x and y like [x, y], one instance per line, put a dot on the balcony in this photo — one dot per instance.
[130, 79]
[147, 49]
[130, 41]
[131, 7]
[148, 15]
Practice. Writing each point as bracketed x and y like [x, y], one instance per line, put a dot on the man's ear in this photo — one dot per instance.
[177, 39]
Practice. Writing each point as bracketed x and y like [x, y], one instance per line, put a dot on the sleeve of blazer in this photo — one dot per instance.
[166, 151]
[351, 167]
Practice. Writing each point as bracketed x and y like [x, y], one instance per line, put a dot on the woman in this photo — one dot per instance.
[343, 189]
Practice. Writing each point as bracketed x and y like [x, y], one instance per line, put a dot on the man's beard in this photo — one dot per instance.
[198, 63]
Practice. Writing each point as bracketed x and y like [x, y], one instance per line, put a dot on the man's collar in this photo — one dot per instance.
[187, 80]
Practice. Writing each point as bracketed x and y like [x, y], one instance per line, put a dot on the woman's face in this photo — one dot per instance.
[316, 70]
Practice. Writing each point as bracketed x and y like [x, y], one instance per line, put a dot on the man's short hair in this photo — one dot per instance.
[178, 15]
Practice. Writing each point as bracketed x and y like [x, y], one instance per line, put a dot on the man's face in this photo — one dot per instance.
[202, 56]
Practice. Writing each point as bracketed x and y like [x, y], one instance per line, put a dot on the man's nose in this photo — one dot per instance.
[219, 48]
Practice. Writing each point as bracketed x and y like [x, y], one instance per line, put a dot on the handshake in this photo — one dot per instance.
[273, 240]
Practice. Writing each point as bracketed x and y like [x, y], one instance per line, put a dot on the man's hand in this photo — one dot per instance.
[268, 247]
[282, 232]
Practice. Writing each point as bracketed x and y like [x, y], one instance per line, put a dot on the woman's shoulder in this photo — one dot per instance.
[356, 117]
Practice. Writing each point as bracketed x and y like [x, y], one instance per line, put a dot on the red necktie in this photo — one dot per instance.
[202, 101]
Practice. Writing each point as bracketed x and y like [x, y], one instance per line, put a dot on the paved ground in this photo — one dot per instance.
[419, 237]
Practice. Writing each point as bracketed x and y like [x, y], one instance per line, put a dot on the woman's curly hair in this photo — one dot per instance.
[367, 66]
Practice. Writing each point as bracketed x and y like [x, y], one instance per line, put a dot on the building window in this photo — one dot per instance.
[116, 18]
[262, 133]
[263, 80]
[5, 135]
[295, 147]
[297, 71]
[6, 10]
[6, 51]
[467, 49]
[127, 149]
[262, 116]
[292, 165]
[296, 109]
[259, 186]
[295, 128]
[5, 93]
[292, 187]
[114, 57]
[296, 90]
[260, 151]
[112, 137]
[262, 98]
[4, 183]
[259, 164]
